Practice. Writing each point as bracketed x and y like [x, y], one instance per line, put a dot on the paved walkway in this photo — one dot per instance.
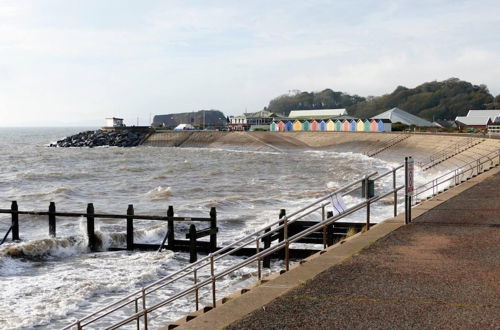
[441, 271]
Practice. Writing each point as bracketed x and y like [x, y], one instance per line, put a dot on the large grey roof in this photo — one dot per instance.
[493, 114]
[474, 120]
[396, 115]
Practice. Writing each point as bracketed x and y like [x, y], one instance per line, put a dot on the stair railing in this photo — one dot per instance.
[449, 151]
[456, 176]
[211, 266]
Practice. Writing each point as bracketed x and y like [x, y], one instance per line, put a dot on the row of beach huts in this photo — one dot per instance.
[344, 125]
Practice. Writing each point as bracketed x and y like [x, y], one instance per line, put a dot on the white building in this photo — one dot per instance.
[114, 122]
[493, 114]
[479, 118]
[323, 113]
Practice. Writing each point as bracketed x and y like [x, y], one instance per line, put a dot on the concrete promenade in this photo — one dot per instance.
[441, 271]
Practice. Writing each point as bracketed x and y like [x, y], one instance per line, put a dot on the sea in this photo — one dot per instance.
[47, 283]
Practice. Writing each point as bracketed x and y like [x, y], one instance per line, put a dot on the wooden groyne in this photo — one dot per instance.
[199, 227]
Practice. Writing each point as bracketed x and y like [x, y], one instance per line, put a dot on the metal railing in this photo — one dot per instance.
[388, 143]
[449, 151]
[212, 263]
[456, 176]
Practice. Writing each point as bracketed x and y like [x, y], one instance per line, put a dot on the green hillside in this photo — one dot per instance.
[431, 100]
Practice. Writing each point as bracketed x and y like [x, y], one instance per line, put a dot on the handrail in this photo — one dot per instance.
[228, 248]
[466, 171]
[454, 149]
[255, 257]
[280, 226]
[388, 143]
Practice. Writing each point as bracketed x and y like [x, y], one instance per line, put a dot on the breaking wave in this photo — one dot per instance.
[58, 247]
[159, 193]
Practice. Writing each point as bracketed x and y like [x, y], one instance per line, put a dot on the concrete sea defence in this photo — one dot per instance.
[418, 145]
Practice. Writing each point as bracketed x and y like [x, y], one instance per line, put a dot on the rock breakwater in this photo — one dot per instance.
[121, 138]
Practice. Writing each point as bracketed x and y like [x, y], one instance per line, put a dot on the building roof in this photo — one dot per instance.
[323, 113]
[396, 115]
[259, 114]
[474, 120]
[493, 114]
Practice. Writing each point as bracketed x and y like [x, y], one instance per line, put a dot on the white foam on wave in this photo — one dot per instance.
[159, 193]
[59, 288]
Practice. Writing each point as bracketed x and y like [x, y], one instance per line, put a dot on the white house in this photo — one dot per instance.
[114, 122]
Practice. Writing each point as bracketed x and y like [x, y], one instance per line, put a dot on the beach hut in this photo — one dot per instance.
[367, 125]
[353, 125]
[345, 125]
[273, 127]
[314, 125]
[338, 125]
[330, 125]
[373, 125]
[306, 126]
[384, 125]
[360, 125]
[322, 125]
[281, 126]
[297, 126]
[288, 126]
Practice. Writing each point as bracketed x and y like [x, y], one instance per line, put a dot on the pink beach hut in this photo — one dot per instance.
[345, 125]
[314, 126]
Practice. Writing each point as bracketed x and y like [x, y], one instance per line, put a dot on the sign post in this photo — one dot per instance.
[409, 184]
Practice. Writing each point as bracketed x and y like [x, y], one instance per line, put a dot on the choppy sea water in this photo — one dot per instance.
[57, 280]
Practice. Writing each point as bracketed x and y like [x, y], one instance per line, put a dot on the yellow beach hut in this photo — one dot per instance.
[297, 126]
[330, 125]
[360, 125]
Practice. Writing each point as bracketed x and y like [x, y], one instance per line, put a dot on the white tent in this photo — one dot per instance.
[184, 127]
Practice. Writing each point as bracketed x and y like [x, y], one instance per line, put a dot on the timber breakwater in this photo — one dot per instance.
[99, 138]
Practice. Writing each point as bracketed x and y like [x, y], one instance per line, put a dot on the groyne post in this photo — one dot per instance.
[213, 229]
[90, 227]
[52, 219]
[15, 221]
[130, 227]
[170, 228]
[193, 253]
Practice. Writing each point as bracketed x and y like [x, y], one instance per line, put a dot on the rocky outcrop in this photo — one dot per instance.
[119, 138]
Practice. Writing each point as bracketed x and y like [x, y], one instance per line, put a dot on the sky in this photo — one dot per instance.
[73, 63]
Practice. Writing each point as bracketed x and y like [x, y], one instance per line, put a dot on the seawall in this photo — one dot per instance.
[418, 145]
